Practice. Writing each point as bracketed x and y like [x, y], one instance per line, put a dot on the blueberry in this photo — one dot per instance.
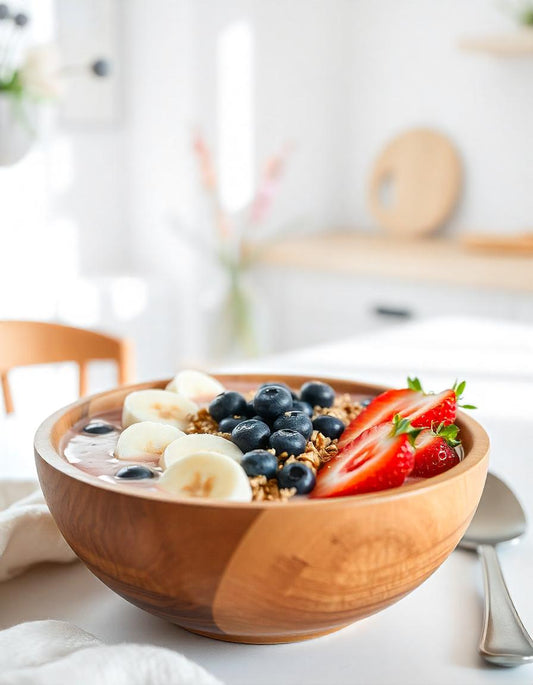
[297, 475]
[260, 463]
[250, 410]
[228, 403]
[298, 405]
[289, 441]
[228, 424]
[296, 421]
[317, 394]
[135, 472]
[268, 422]
[98, 428]
[4, 11]
[250, 435]
[279, 384]
[330, 426]
[272, 400]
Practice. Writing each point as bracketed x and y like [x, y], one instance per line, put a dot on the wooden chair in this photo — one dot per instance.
[23, 343]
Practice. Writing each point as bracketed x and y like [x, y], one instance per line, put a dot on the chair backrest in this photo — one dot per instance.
[23, 343]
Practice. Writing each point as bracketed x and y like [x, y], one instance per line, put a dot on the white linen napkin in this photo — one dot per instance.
[28, 534]
[58, 653]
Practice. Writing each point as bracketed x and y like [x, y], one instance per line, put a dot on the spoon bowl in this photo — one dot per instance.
[499, 518]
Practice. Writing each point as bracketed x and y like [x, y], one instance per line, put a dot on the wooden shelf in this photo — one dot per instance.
[433, 260]
[517, 44]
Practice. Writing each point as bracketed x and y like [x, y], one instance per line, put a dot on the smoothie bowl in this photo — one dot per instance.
[267, 559]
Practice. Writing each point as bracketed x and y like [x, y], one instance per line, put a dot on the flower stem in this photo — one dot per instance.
[241, 312]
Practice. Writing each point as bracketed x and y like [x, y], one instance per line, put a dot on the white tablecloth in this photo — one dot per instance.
[429, 637]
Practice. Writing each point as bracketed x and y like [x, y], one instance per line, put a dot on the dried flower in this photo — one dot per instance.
[207, 170]
[262, 202]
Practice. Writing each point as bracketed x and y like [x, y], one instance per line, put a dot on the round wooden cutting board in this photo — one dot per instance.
[415, 183]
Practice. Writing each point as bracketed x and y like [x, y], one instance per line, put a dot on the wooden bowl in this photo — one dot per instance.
[258, 572]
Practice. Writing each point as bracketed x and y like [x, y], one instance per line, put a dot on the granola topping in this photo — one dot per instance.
[268, 490]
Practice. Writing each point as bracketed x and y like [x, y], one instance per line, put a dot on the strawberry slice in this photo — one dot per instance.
[380, 410]
[434, 451]
[381, 457]
[422, 409]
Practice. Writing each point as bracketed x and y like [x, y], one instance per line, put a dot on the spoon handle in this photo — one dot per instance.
[504, 640]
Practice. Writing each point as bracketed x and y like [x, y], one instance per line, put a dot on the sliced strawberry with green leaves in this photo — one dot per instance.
[380, 458]
[435, 450]
[421, 408]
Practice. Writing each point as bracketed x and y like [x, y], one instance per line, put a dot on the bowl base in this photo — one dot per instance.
[267, 639]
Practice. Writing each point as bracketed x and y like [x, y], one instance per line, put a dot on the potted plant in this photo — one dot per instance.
[20, 71]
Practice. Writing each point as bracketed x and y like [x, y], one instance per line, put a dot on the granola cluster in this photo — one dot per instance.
[268, 490]
[319, 449]
[202, 422]
[344, 408]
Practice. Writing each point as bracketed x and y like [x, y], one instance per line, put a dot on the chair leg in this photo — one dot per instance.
[83, 379]
[8, 400]
[126, 363]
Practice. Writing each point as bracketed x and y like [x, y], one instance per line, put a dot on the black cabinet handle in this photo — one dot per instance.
[393, 312]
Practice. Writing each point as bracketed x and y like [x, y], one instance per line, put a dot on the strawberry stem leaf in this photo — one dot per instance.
[401, 425]
[414, 384]
[449, 433]
[459, 388]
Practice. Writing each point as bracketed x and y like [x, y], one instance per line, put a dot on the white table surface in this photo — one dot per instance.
[430, 637]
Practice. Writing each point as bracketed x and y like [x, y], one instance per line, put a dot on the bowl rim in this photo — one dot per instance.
[45, 450]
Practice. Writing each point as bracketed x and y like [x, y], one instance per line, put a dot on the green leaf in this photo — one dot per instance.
[414, 384]
[14, 85]
[449, 433]
[459, 388]
[402, 425]
[468, 406]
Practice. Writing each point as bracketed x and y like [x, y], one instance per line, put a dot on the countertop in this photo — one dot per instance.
[430, 637]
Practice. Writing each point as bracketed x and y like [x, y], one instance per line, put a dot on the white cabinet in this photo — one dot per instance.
[306, 307]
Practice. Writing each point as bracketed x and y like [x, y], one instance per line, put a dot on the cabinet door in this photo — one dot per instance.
[305, 308]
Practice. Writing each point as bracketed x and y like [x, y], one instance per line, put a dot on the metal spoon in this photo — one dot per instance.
[499, 518]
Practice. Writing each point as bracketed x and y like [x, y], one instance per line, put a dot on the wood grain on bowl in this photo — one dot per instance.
[258, 572]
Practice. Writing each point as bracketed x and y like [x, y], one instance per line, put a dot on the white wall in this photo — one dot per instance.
[300, 97]
[408, 71]
[303, 81]
[300, 94]
[338, 78]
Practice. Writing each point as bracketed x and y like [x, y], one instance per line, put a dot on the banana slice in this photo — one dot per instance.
[199, 442]
[196, 385]
[206, 474]
[157, 405]
[145, 441]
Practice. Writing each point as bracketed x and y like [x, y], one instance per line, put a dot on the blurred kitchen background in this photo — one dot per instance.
[218, 179]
